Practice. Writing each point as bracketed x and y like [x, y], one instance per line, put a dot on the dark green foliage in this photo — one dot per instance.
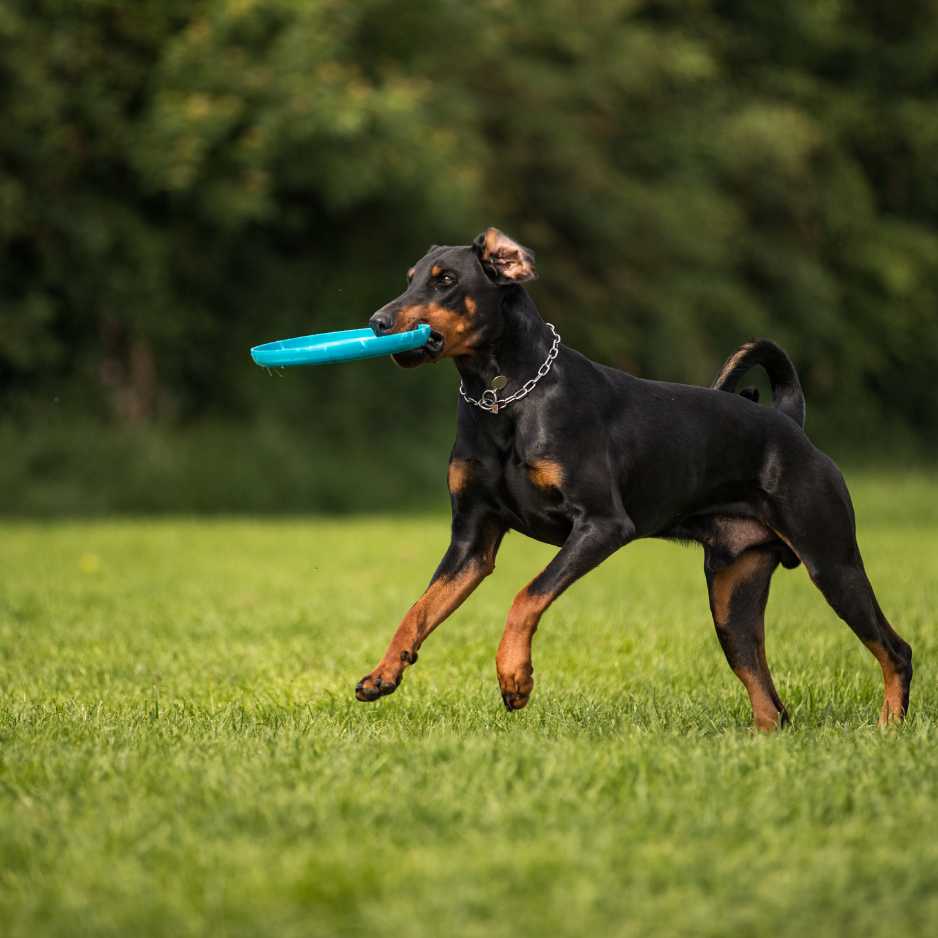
[179, 181]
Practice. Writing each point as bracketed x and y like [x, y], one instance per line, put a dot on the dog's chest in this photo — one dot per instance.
[531, 491]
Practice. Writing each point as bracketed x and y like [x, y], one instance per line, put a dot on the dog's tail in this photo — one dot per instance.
[786, 388]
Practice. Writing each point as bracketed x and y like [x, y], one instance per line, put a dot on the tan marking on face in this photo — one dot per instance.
[458, 475]
[726, 582]
[436, 270]
[546, 474]
[470, 305]
[458, 336]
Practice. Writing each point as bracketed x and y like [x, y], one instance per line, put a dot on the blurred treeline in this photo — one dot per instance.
[181, 179]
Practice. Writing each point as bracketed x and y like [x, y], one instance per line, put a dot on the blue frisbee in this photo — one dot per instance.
[346, 346]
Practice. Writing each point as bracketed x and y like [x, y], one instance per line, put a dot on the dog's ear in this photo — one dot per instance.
[503, 259]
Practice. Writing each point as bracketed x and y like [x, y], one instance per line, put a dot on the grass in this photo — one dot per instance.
[181, 755]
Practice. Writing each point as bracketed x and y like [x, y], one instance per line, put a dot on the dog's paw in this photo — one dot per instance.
[374, 685]
[514, 701]
[516, 687]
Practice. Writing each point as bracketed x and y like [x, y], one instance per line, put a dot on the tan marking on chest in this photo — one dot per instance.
[546, 473]
[458, 475]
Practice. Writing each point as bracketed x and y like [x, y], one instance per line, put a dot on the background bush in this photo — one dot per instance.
[179, 181]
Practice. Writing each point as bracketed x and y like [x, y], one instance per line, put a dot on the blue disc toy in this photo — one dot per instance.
[346, 346]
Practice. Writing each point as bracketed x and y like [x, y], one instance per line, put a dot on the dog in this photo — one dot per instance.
[589, 458]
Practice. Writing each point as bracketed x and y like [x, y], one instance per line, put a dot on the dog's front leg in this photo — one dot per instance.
[468, 560]
[590, 542]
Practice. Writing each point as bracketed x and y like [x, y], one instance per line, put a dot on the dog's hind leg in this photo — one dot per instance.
[738, 594]
[823, 534]
[847, 588]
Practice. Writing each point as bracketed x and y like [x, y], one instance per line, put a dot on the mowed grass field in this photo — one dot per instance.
[181, 753]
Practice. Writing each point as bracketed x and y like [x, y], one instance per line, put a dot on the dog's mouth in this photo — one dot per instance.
[426, 353]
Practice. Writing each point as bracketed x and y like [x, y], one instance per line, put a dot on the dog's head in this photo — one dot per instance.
[457, 291]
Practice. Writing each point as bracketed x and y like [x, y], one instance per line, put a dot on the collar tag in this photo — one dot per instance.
[489, 400]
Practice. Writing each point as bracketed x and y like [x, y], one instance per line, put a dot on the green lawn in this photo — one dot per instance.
[181, 753]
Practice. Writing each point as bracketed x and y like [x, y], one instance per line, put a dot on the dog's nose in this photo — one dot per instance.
[381, 322]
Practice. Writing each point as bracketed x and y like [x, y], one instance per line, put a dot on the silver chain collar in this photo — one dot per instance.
[490, 401]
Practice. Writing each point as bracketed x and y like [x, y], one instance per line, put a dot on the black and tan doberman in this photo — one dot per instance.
[589, 458]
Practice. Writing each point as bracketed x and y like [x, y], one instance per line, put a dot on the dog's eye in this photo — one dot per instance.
[446, 279]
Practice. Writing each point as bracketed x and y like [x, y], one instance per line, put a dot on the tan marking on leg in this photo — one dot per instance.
[546, 473]
[470, 305]
[764, 699]
[527, 609]
[768, 683]
[513, 658]
[894, 683]
[458, 475]
[893, 709]
[765, 714]
[727, 581]
[441, 598]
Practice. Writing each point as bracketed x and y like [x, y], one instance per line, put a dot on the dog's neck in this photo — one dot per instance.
[517, 352]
